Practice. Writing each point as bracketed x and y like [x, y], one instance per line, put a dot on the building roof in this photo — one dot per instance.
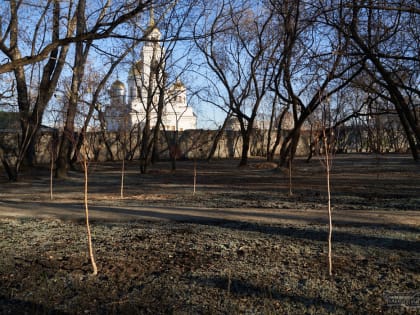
[118, 85]
[178, 84]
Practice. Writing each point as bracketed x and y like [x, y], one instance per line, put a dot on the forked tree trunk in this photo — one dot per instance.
[272, 150]
[289, 146]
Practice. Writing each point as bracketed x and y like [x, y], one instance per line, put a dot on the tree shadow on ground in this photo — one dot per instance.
[239, 288]
[17, 306]
[310, 233]
[207, 217]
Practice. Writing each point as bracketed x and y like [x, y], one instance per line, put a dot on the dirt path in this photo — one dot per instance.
[75, 212]
[383, 191]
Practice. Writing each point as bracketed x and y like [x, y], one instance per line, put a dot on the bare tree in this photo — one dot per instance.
[81, 54]
[338, 116]
[50, 27]
[238, 50]
[387, 34]
[80, 58]
[13, 45]
[155, 74]
[311, 71]
[117, 13]
[150, 85]
[7, 89]
[96, 85]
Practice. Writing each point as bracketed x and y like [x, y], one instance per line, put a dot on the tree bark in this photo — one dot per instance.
[246, 137]
[271, 152]
[218, 136]
[68, 140]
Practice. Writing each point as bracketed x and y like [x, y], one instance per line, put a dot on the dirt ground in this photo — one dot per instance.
[244, 242]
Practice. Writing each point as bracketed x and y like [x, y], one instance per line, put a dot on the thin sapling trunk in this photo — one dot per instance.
[195, 175]
[122, 178]
[89, 234]
[52, 170]
[290, 178]
[330, 226]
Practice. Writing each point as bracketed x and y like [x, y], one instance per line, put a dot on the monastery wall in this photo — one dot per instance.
[189, 144]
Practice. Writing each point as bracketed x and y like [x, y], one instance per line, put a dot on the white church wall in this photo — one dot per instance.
[176, 114]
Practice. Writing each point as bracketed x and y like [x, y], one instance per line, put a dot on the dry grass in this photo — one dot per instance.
[239, 245]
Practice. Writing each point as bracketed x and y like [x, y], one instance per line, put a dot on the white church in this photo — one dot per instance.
[128, 110]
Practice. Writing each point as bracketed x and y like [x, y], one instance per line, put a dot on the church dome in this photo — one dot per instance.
[154, 34]
[117, 85]
[117, 89]
[179, 85]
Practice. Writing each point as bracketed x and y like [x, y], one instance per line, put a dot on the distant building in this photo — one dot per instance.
[127, 110]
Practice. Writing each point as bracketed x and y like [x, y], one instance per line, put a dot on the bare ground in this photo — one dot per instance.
[240, 244]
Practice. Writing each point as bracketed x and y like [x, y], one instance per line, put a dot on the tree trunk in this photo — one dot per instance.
[285, 149]
[156, 141]
[156, 131]
[81, 53]
[289, 146]
[271, 153]
[175, 151]
[50, 75]
[64, 153]
[246, 137]
[218, 136]
[86, 204]
[144, 154]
